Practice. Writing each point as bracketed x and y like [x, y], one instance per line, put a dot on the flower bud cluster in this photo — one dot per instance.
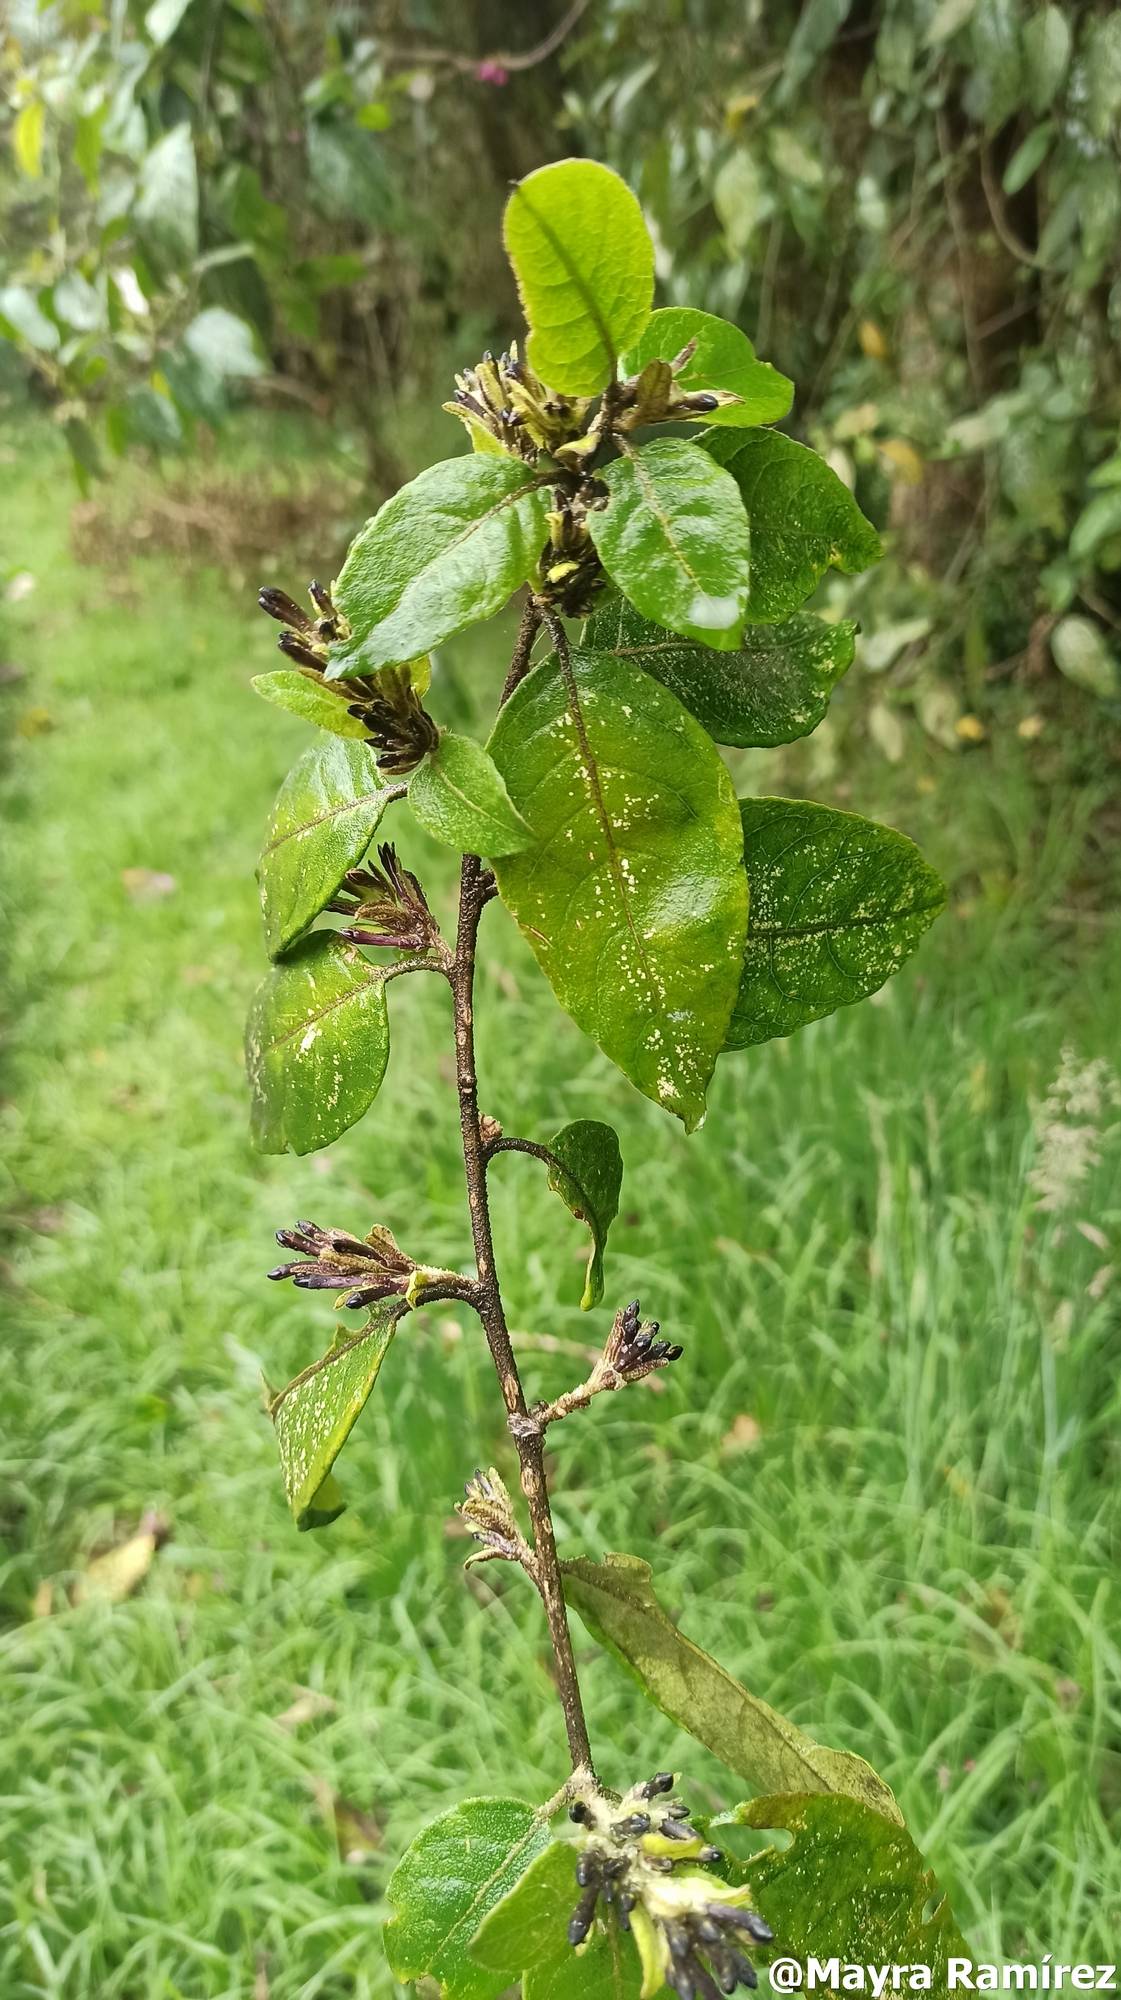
[399, 727]
[386, 704]
[653, 397]
[645, 1864]
[386, 906]
[488, 1511]
[505, 401]
[364, 1268]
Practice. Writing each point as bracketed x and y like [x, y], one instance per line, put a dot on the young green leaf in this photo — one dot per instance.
[852, 1885]
[286, 688]
[525, 1937]
[676, 540]
[317, 1411]
[325, 816]
[803, 518]
[633, 895]
[459, 798]
[589, 1186]
[617, 1603]
[774, 688]
[445, 551]
[837, 903]
[316, 1045]
[724, 359]
[584, 263]
[457, 1869]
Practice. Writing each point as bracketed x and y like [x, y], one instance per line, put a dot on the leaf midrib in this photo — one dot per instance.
[591, 304]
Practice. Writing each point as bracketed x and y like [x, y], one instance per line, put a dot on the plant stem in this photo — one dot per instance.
[473, 894]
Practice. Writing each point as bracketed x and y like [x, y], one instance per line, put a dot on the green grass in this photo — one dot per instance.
[916, 1558]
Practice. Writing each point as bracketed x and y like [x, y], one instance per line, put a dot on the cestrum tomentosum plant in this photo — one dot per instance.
[675, 924]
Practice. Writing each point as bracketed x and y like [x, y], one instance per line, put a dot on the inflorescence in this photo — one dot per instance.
[644, 1864]
[331, 1260]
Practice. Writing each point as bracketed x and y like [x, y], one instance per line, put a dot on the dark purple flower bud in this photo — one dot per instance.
[277, 604]
[294, 648]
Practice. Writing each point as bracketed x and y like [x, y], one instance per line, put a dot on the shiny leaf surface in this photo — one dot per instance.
[803, 518]
[459, 798]
[851, 1885]
[837, 903]
[317, 1411]
[775, 687]
[676, 540]
[584, 263]
[457, 1869]
[589, 1186]
[724, 359]
[445, 551]
[303, 697]
[324, 819]
[316, 1046]
[616, 1600]
[633, 896]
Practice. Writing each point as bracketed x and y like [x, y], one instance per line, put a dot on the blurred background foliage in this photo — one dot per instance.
[913, 207]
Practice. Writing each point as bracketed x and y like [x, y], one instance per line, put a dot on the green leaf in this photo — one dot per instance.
[325, 816]
[803, 519]
[316, 1045]
[1081, 652]
[23, 318]
[223, 343]
[1047, 42]
[724, 359]
[633, 896]
[317, 1411]
[584, 263]
[288, 688]
[589, 1186]
[459, 798]
[616, 1601]
[525, 1937]
[850, 1885]
[676, 540]
[167, 201]
[775, 688]
[837, 903]
[445, 551]
[457, 1869]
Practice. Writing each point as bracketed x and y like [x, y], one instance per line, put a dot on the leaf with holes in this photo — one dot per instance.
[675, 540]
[589, 1183]
[524, 1937]
[448, 1881]
[317, 1411]
[296, 692]
[316, 1045]
[774, 688]
[459, 798]
[850, 1884]
[723, 359]
[584, 263]
[325, 816]
[803, 519]
[633, 895]
[444, 552]
[837, 903]
[616, 1600]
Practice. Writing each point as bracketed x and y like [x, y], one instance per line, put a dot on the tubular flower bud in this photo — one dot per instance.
[687, 1925]
[653, 397]
[386, 906]
[331, 1260]
[304, 639]
[633, 1348]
